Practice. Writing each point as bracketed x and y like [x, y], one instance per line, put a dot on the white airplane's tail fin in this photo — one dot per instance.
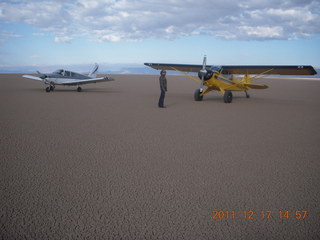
[94, 71]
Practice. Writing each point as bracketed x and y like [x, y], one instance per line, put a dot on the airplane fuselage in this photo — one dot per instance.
[219, 81]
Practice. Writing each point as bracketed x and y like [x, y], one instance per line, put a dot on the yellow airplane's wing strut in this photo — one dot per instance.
[247, 78]
[206, 91]
[222, 90]
[187, 75]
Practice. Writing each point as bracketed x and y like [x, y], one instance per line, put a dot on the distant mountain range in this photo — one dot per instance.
[82, 68]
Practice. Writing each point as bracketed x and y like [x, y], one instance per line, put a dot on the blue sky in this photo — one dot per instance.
[128, 33]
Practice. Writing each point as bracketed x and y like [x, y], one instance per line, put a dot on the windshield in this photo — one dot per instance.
[215, 68]
[59, 71]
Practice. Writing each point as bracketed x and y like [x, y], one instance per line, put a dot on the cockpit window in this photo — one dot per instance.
[215, 68]
[58, 71]
[64, 73]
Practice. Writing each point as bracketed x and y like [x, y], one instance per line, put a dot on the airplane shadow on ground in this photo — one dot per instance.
[211, 98]
[70, 90]
[240, 98]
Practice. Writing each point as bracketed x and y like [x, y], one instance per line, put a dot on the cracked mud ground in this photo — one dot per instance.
[106, 163]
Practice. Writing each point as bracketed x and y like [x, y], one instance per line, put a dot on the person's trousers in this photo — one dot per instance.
[161, 99]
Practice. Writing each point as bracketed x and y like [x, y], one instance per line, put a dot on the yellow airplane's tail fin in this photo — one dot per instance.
[246, 79]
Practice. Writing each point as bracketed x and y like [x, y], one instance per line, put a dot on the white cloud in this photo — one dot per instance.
[40, 34]
[34, 56]
[132, 20]
[64, 39]
[111, 38]
[263, 32]
[7, 34]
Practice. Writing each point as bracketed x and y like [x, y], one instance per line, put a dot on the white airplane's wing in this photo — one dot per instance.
[32, 77]
[86, 81]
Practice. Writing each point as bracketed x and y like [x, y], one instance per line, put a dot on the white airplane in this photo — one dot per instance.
[68, 78]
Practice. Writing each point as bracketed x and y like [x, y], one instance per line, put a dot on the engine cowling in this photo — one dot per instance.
[206, 76]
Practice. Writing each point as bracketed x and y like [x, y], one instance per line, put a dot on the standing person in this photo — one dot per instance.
[163, 87]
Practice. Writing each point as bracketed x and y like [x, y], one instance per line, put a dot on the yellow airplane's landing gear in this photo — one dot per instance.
[197, 96]
[247, 95]
[79, 89]
[227, 96]
[203, 76]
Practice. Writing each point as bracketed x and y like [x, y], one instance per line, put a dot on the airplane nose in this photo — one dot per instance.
[205, 74]
[202, 72]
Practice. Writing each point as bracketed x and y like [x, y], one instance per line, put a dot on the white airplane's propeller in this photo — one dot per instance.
[203, 72]
[42, 75]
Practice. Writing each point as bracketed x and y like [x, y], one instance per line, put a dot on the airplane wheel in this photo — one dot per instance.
[227, 97]
[197, 96]
[47, 89]
[51, 88]
[79, 89]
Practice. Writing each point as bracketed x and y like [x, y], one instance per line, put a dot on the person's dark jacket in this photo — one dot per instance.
[163, 83]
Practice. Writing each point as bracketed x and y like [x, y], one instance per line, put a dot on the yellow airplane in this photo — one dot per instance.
[222, 78]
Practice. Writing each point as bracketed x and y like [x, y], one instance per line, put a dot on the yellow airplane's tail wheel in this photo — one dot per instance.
[227, 96]
[197, 96]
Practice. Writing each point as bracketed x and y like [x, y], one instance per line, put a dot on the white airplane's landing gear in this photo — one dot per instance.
[47, 89]
[79, 89]
[51, 87]
[247, 95]
[227, 97]
[197, 96]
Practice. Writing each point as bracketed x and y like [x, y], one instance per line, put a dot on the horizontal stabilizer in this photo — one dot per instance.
[256, 86]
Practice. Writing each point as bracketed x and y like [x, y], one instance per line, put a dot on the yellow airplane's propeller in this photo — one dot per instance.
[203, 72]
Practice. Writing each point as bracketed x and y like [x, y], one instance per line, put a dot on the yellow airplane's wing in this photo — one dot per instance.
[239, 69]
[171, 66]
[276, 70]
